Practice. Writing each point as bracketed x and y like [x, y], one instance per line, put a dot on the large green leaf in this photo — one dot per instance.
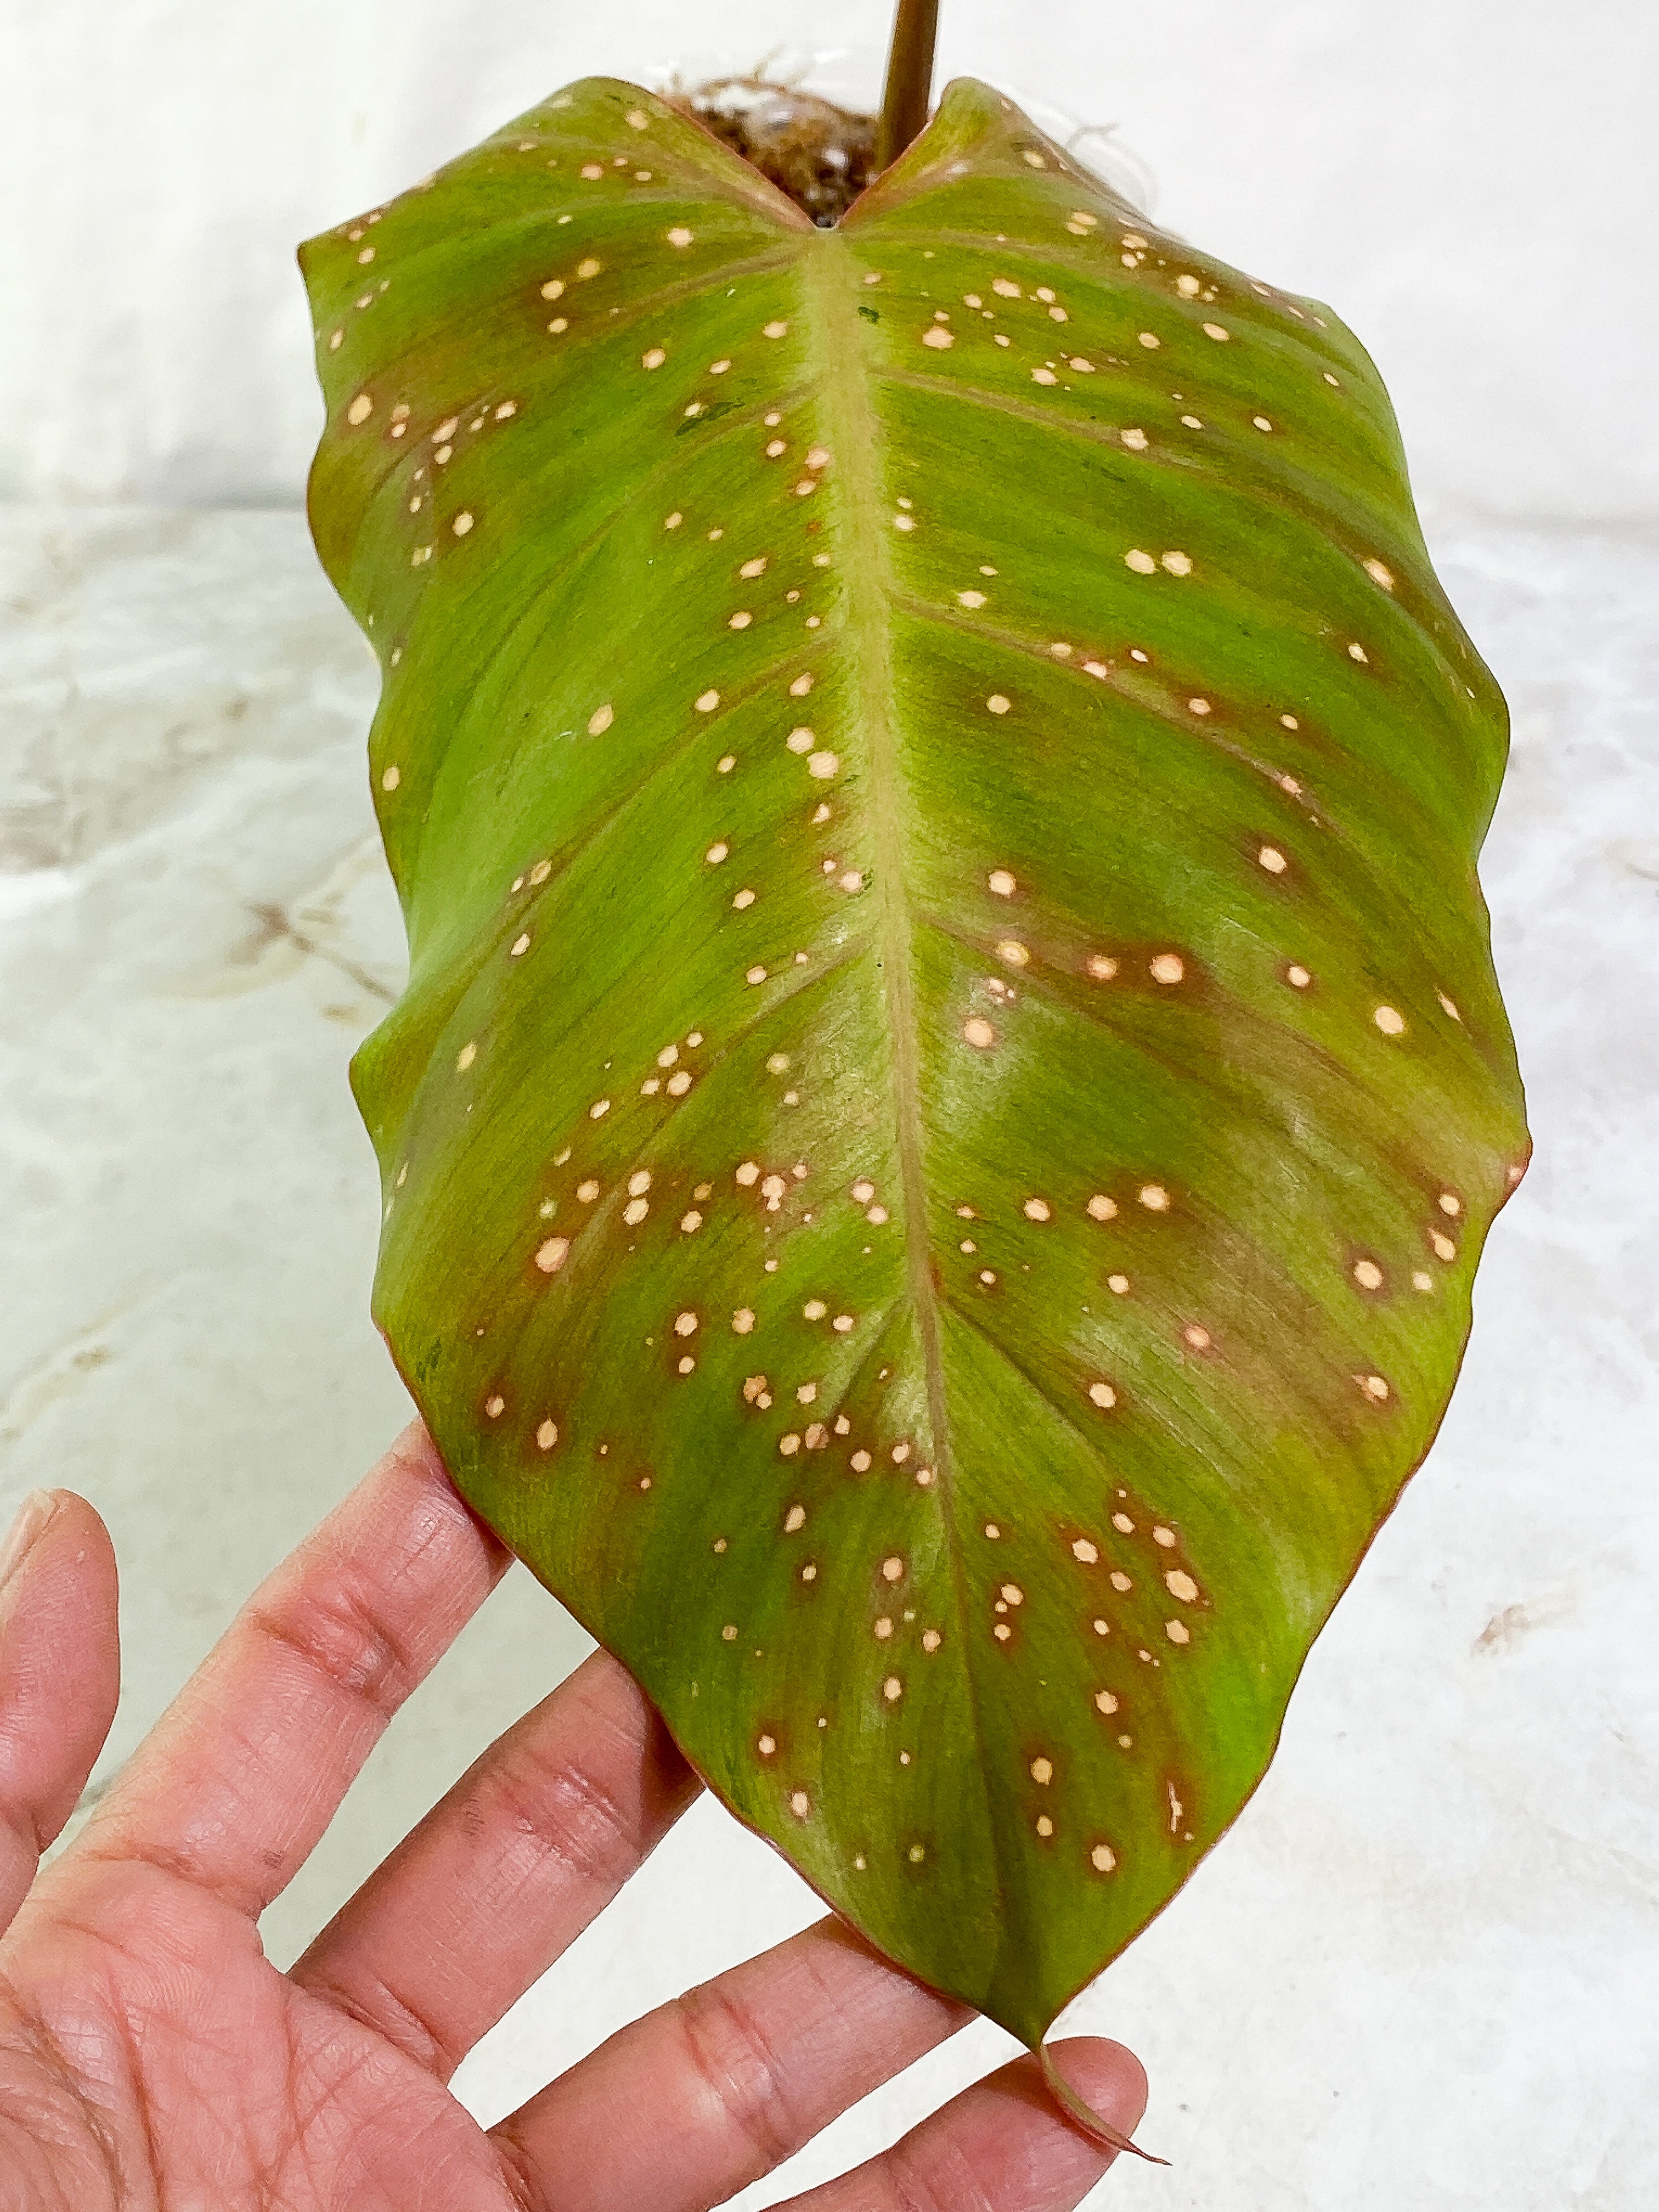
[952, 1085]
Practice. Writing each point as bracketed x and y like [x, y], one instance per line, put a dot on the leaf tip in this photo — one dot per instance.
[1084, 2115]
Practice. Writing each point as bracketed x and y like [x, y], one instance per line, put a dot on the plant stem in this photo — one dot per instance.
[909, 79]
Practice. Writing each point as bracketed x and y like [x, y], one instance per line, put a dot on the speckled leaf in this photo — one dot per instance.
[952, 1085]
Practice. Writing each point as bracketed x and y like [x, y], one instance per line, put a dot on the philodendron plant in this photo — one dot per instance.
[951, 1084]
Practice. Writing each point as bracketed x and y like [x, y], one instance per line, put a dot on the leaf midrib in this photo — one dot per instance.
[856, 440]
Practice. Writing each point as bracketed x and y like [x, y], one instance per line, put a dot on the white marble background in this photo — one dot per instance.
[1418, 1977]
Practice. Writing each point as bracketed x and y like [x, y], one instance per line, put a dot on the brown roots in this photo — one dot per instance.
[820, 156]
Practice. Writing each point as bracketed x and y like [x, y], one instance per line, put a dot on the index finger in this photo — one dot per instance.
[239, 1779]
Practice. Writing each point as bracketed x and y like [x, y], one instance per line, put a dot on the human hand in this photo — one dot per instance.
[152, 2059]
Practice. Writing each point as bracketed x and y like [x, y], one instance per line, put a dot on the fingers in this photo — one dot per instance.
[60, 1673]
[1001, 2146]
[531, 1843]
[686, 2106]
[241, 1776]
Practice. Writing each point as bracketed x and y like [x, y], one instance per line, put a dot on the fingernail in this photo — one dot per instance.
[32, 1514]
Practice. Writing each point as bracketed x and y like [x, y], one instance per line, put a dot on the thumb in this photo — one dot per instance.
[60, 1673]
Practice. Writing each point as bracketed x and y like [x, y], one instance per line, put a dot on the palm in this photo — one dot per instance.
[277, 2097]
[150, 2056]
